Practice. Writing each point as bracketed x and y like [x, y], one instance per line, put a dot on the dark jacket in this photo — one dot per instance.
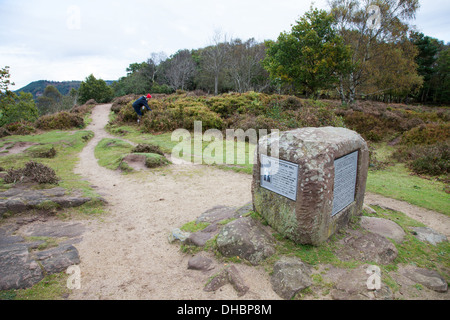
[142, 101]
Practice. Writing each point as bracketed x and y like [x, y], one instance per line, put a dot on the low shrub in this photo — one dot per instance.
[433, 160]
[21, 128]
[147, 148]
[33, 171]
[61, 120]
[426, 134]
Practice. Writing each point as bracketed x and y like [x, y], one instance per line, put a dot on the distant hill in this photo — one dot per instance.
[36, 88]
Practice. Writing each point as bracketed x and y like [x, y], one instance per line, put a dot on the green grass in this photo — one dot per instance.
[52, 287]
[397, 182]
[110, 153]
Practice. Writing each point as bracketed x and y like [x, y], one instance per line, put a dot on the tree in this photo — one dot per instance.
[367, 26]
[311, 56]
[14, 107]
[245, 65]
[96, 89]
[179, 69]
[50, 101]
[214, 58]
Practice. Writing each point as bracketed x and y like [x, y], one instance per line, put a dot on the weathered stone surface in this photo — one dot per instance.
[367, 247]
[59, 258]
[245, 238]
[308, 220]
[228, 275]
[428, 235]
[383, 227]
[17, 269]
[56, 229]
[178, 234]
[217, 214]
[20, 199]
[18, 257]
[200, 262]
[290, 275]
[200, 238]
[428, 278]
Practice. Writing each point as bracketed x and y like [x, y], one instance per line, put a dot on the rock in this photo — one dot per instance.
[428, 235]
[428, 278]
[219, 280]
[58, 259]
[217, 214]
[369, 209]
[177, 234]
[236, 281]
[383, 227]
[290, 275]
[200, 262]
[247, 239]
[316, 159]
[19, 199]
[228, 275]
[367, 247]
[17, 269]
[57, 229]
[200, 238]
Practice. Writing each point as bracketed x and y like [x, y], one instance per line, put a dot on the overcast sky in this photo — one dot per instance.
[68, 40]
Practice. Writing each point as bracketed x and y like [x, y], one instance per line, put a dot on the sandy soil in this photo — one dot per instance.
[126, 254]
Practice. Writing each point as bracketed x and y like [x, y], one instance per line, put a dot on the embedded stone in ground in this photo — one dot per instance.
[383, 227]
[290, 275]
[247, 239]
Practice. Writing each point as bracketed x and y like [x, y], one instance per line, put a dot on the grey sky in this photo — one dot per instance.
[68, 40]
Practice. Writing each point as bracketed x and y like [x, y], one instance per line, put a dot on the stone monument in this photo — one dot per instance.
[315, 183]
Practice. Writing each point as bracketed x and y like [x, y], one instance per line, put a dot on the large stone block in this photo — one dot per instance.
[315, 183]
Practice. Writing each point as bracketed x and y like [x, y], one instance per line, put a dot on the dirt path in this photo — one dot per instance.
[126, 255]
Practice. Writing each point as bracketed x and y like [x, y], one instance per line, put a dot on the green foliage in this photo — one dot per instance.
[427, 134]
[15, 108]
[310, 56]
[61, 120]
[96, 89]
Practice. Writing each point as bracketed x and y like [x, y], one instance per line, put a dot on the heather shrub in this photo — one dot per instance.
[427, 134]
[61, 120]
[433, 160]
[20, 128]
[33, 171]
[147, 148]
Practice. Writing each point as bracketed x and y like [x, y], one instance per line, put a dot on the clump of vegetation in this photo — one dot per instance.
[427, 134]
[21, 127]
[147, 148]
[42, 151]
[154, 160]
[61, 120]
[33, 171]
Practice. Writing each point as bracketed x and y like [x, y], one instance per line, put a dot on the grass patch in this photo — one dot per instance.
[397, 182]
[52, 287]
[110, 153]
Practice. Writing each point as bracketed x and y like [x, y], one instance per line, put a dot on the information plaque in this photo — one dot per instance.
[345, 172]
[279, 176]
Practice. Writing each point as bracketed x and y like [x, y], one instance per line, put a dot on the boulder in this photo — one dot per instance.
[228, 275]
[428, 235]
[428, 278]
[383, 227]
[200, 262]
[17, 268]
[58, 259]
[367, 247]
[290, 275]
[246, 238]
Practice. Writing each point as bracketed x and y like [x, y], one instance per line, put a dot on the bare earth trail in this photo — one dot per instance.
[126, 254]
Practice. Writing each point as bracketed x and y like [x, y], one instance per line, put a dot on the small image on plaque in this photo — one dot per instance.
[279, 176]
